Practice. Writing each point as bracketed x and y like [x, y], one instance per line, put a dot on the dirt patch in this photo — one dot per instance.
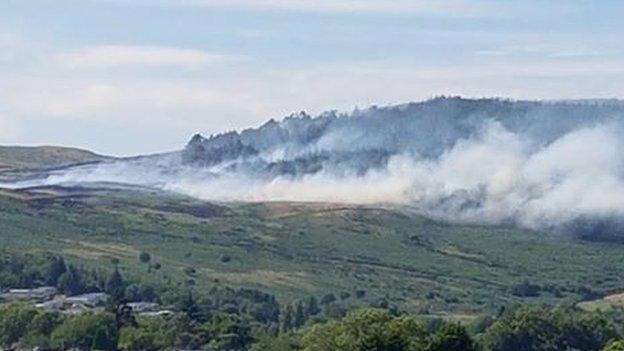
[94, 250]
[297, 280]
[606, 303]
[291, 209]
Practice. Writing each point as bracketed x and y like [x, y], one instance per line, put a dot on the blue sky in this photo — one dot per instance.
[125, 77]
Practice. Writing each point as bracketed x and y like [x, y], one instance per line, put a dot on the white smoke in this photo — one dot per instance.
[493, 177]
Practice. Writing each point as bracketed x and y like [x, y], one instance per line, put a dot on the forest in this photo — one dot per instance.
[223, 318]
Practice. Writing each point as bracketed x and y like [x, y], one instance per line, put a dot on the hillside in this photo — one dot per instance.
[14, 158]
[365, 254]
[367, 139]
[486, 161]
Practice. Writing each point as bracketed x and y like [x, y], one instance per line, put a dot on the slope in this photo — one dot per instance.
[366, 254]
[14, 158]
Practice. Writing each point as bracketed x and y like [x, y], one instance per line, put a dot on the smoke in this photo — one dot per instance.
[491, 174]
[494, 177]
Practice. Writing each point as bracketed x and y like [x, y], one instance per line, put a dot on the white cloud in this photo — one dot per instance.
[225, 93]
[111, 56]
[348, 84]
[247, 95]
[453, 8]
[135, 100]
[435, 8]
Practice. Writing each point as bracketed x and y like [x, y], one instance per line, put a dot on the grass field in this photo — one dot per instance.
[605, 303]
[298, 249]
[15, 158]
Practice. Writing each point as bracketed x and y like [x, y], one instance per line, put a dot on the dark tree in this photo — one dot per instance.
[71, 282]
[287, 320]
[115, 286]
[327, 299]
[452, 337]
[145, 257]
[57, 268]
[313, 306]
[300, 317]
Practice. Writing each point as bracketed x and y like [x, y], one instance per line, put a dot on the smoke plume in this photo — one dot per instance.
[532, 164]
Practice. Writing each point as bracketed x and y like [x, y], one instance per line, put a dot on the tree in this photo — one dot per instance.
[281, 343]
[71, 282]
[140, 338]
[57, 268]
[313, 306]
[15, 320]
[102, 340]
[585, 331]
[40, 328]
[188, 304]
[145, 257]
[287, 320]
[327, 299]
[115, 285]
[300, 317]
[87, 330]
[451, 337]
[614, 346]
[536, 328]
[229, 332]
[370, 329]
[528, 329]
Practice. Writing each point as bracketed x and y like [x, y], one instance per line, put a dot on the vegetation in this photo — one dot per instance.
[13, 158]
[281, 276]
[529, 329]
[360, 256]
[224, 318]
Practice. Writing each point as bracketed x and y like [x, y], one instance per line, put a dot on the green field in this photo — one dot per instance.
[15, 158]
[298, 249]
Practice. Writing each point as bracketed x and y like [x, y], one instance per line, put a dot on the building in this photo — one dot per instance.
[90, 300]
[142, 306]
[41, 294]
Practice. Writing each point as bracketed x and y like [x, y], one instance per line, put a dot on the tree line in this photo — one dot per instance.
[224, 318]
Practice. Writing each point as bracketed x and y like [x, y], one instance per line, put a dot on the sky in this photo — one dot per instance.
[127, 77]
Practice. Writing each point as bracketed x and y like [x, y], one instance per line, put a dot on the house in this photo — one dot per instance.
[56, 304]
[142, 306]
[162, 313]
[90, 300]
[76, 304]
[41, 294]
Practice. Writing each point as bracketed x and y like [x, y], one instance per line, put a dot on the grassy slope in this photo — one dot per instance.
[24, 158]
[299, 249]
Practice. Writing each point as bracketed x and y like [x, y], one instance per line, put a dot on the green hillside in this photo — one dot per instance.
[26, 158]
[365, 254]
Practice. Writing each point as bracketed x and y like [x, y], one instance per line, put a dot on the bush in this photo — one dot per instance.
[526, 289]
[614, 346]
[87, 331]
[15, 321]
[537, 328]
[451, 337]
[369, 329]
[144, 257]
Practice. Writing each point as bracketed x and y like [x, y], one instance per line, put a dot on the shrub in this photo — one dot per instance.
[144, 257]
[87, 331]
